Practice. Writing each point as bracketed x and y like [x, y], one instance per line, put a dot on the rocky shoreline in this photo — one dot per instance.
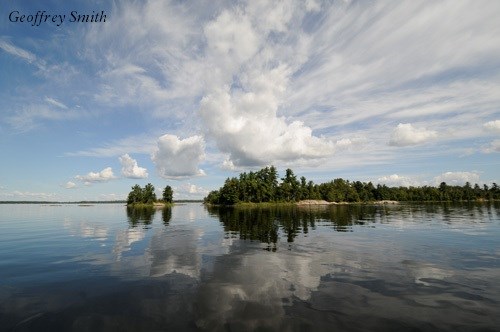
[318, 202]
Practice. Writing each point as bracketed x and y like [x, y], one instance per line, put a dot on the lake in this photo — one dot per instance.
[433, 267]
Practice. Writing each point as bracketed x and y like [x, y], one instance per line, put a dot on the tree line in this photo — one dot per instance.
[266, 186]
[146, 195]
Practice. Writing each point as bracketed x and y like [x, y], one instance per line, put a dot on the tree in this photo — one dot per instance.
[135, 196]
[229, 192]
[168, 194]
[149, 195]
[144, 195]
[289, 187]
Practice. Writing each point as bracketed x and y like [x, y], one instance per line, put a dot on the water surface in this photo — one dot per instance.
[347, 268]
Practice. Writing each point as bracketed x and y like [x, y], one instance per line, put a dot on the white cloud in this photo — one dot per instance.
[29, 116]
[343, 143]
[54, 102]
[331, 72]
[251, 142]
[457, 178]
[396, 180]
[493, 147]
[493, 125]
[179, 158]
[129, 84]
[228, 165]
[150, 65]
[93, 177]
[59, 72]
[246, 125]
[405, 134]
[130, 169]
[231, 40]
[17, 51]
[136, 144]
[312, 5]
[70, 185]
[189, 191]
[240, 107]
[276, 74]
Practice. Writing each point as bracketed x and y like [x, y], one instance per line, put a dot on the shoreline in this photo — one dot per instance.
[323, 203]
[317, 202]
[155, 205]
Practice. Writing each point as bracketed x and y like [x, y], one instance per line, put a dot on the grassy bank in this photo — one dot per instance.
[150, 205]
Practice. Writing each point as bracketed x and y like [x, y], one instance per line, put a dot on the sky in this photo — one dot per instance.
[188, 93]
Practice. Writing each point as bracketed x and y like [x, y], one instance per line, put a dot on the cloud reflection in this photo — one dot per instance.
[86, 229]
[357, 266]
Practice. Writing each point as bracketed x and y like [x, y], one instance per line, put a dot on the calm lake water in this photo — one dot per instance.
[340, 268]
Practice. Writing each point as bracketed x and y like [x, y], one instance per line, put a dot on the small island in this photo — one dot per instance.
[146, 197]
[263, 187]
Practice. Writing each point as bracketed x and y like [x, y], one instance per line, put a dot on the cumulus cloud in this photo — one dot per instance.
[247, 88]
[457, 178]
[130, 169]
[179, 158]
[405, 134]
[228, 165]
[493, 125]
[246, 126]
[70, 185]
[271, 76]
[396, 180]
[93, 177]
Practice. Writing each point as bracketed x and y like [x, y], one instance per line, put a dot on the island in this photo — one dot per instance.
[146, 197]
[265, 187]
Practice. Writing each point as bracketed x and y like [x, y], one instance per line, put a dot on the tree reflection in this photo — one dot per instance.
[140, 215]
[166, 215]
[267, 224]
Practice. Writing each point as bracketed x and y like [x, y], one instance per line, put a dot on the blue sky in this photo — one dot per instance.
[188, 93]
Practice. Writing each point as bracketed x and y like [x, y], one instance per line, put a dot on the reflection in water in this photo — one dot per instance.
[166, 215]
[86, 229]
[354, 268]
[140, 215]
[266, 224]
[144, 215]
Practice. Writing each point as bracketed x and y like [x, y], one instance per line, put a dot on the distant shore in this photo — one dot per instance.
[86, 203]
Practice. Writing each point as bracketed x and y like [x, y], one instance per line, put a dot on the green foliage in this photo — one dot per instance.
[339, 190]
[148, 194]
[135, 196]
[140, 195]
[288, 190]
[168, 194]
[263, 187]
